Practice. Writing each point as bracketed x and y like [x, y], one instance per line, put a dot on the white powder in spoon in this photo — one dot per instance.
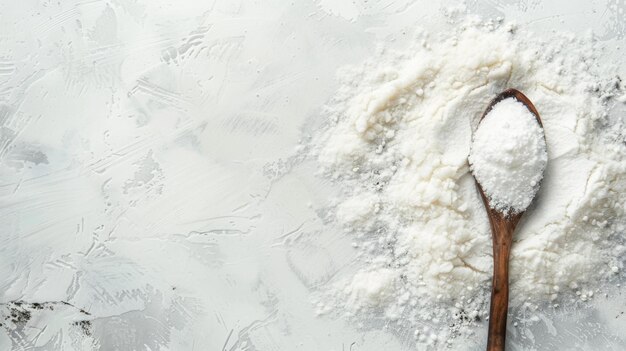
[508, 156]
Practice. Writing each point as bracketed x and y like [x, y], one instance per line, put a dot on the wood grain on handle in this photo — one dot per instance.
[502, 234]
[502, 228]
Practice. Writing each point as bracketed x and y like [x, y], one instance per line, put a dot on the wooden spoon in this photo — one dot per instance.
[502, 228]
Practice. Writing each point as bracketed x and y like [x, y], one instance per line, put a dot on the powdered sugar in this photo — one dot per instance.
[508, 156]
[400, 134]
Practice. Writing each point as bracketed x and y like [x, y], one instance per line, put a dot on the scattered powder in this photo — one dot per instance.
[508, 156]
[398, 140]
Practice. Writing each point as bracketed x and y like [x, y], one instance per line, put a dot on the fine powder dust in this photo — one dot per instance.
[508, 156]
[398, 141]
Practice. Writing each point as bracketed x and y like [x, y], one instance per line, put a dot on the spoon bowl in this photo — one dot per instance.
[502, 227]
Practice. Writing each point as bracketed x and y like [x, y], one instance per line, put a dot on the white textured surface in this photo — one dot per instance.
[147, 173]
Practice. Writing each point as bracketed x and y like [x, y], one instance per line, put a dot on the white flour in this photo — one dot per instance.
[398, 145]
[508, 156]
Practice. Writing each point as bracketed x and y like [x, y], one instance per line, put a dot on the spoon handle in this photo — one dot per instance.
[502, 233]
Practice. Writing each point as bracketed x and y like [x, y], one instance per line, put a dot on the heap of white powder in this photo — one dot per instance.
[398, 141]
[508, 156]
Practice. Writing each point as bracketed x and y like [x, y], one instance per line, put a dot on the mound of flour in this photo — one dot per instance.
[508, 156]
[397, 143]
